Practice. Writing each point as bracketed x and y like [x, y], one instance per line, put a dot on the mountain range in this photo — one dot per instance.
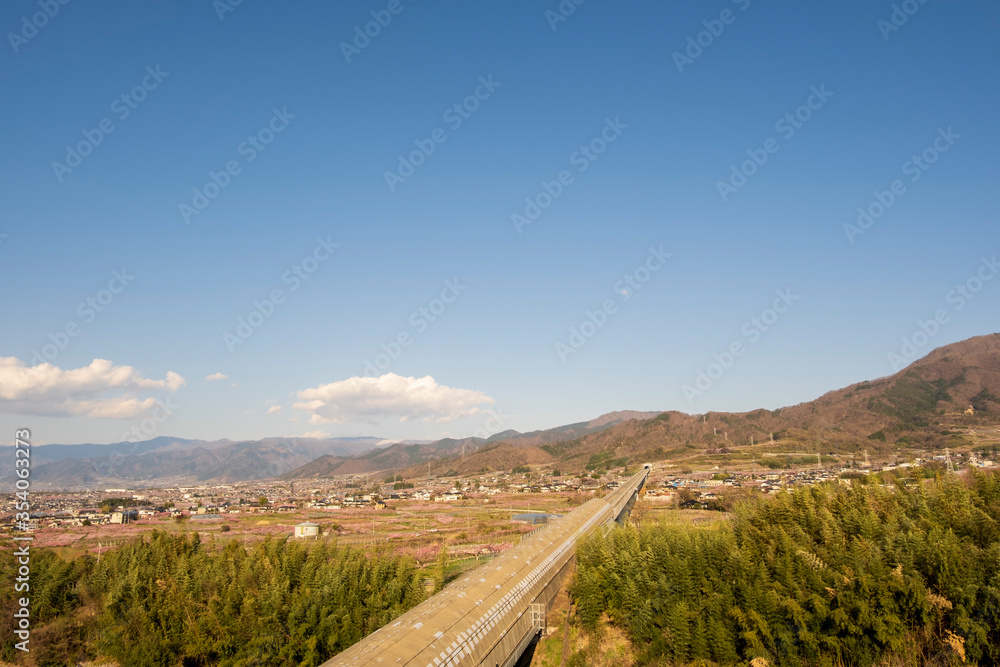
[904, 410]
[443, 455]
[164, 461]
[907, 409]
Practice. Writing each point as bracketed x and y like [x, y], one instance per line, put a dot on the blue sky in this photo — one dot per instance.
[597, 100]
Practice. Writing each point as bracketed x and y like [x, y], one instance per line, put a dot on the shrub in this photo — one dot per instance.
[822, 575]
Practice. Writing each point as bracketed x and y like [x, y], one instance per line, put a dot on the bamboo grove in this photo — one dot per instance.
[897, 569]
[172, 600]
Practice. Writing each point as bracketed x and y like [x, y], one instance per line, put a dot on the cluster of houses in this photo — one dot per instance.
[350, 492]
[84, 508]
[701, 489]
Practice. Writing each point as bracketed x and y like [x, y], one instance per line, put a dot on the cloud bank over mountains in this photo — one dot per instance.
[390, 396]
[101, 390]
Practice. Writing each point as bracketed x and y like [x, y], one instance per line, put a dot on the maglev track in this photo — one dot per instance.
[491, 614]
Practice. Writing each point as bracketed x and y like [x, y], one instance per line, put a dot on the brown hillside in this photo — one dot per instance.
[495, 457]
[909, 408]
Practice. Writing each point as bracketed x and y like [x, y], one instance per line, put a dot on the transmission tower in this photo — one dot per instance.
[947, 458]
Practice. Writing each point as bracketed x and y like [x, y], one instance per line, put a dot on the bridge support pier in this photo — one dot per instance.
[536, 630]
[621, 518]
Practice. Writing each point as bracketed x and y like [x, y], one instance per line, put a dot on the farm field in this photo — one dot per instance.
[469, 529]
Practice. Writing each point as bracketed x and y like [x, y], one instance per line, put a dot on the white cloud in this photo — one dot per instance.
[274, 410]
[317, 434]
[216, 376]
[100, 390]
[372, 399]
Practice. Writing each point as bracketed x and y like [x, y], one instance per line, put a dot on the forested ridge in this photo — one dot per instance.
[173, 600]
[822, 575]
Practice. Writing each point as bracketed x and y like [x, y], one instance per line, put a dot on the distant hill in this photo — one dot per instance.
[492, 457]
[906, 408]
[948, 379]
[397, 456]
[561, 433]
[41, 454]
[463, 453]
[166, 460]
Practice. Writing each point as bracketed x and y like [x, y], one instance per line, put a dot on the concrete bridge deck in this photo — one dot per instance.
[491, 614]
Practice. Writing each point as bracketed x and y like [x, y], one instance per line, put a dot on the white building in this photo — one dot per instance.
[307, 529]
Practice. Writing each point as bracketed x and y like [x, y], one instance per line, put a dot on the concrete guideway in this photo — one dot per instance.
[491, 614]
